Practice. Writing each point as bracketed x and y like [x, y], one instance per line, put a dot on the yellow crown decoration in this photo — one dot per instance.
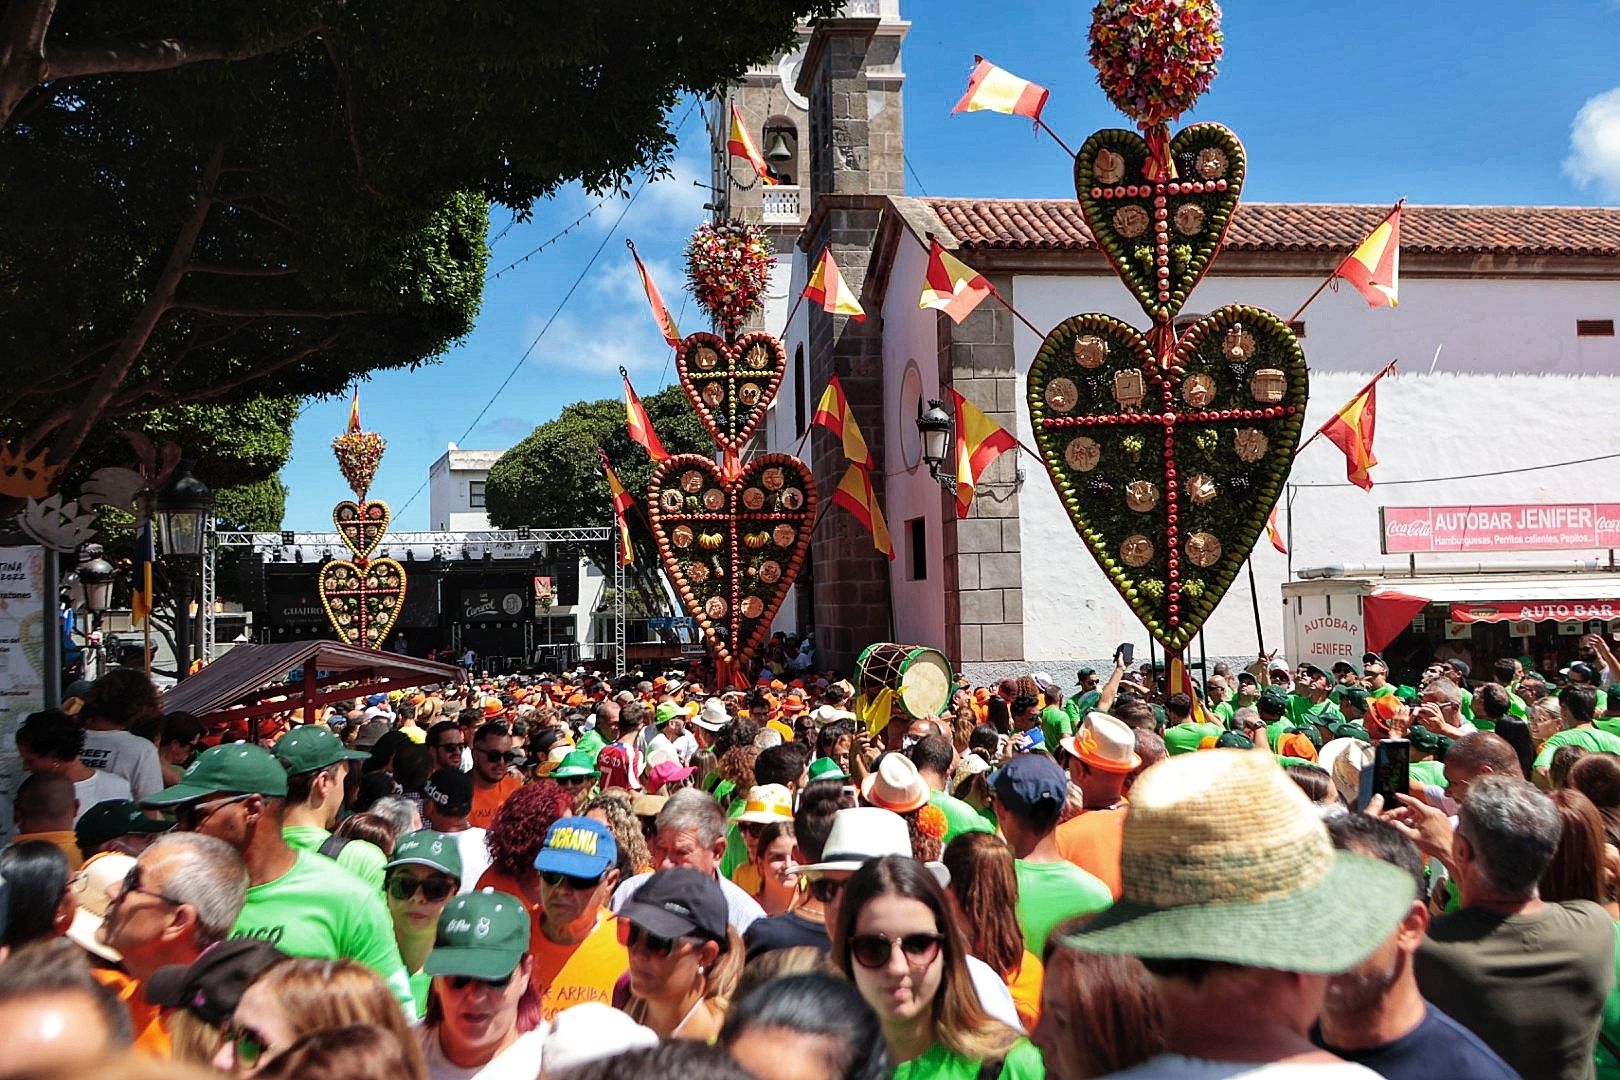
[25, 477]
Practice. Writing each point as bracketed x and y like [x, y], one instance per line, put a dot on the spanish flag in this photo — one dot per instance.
[996, 90]
[855, 495]
[1274, 534]
[1351, 430]
[951, 286]
[834, 415]
[1374, 268]
[140, 601]
[641, 429]
[826, 287]
[1181, 679]
[740, 144]
[354, 411]
[661, 316]
[621, 507]
[979, 441]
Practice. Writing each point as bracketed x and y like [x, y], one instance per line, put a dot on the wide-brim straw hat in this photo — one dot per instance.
[895, 785]
[1222, 841]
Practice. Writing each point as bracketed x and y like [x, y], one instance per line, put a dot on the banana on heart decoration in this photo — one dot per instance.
[1168, 449]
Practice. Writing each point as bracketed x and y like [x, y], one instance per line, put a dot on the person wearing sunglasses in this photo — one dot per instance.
[195, 1002]
[423, 875]
[492, 776]
[447, 744]
[483, 1019]
[684, 957]
[898, 942]
[578, 956]
[317, 764]
[577, 774]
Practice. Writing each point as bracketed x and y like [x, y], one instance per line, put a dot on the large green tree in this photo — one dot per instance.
[553, 479]
[199, 202]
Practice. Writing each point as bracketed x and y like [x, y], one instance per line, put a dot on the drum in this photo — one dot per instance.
[920, 677]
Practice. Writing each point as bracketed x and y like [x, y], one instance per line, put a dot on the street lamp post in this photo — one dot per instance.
[180, 516]
[935, 428]
[96, 578]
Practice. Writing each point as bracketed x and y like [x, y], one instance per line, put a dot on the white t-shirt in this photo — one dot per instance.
[520, 1061]
[126, 755]
[1178, 1067]
[100, 787]
[741, 909]
[474, 856]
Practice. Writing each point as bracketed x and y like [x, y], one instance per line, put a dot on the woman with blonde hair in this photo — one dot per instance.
[615, 811]
[900, 943]
[351, 1052]
[293, 997]
[984, 880]
[685, 959]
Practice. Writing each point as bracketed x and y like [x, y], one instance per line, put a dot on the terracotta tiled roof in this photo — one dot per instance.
[1057, 225]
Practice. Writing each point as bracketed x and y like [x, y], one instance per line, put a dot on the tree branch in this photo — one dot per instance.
[22, 50]
[348, 112]
[240, 271]
[162, 54]
[153, 385]
[267, 313]
[256, 375]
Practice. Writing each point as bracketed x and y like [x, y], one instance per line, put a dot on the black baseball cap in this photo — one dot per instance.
[111, 819]
[679, 902]
[211, 985]
[448, 789]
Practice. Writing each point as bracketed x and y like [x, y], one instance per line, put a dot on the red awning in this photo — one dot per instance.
[1387, 614]
[1535, 611]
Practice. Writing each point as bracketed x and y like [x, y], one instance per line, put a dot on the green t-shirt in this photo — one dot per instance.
[1186, 737]
[361, 858]
[1023, 1062]
[1301, 711]
[1056, 724]
[1222, 712]
[737, 852]
[421, 989]
[1048, 893]
[1516, 706]
[1383, 691]
[1276, 730]
[590, 742]
[1078, 707]
[1611, 724]
[959, 816]
[1594, 739]
[319, 910]
[1432, 773]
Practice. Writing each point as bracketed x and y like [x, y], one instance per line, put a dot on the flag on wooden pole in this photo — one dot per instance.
[826, 287]
[834, 415]
[1374, 268]
[990, 88]
[979, 441]
[641, 429]
[621, 507]
[354, 411]
[655, 300]
[140, 601]
[1351, 430]
[740, 144]
[950, 285]
[855, 495]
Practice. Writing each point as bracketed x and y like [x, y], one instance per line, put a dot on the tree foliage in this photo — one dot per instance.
[255, 507]
[553, 479]
[202, 202]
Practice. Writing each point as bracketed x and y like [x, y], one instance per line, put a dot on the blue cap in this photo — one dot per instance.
[1029, 780]
[580, 847]
[376, 699]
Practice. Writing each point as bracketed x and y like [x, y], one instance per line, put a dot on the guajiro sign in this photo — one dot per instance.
[1512, 527]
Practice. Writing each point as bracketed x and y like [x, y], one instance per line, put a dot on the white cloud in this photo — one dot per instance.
[1594, 143]
[598, 343]
[672, 203]
[619, 282]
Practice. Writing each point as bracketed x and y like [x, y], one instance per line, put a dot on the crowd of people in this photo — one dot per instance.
[575, 876]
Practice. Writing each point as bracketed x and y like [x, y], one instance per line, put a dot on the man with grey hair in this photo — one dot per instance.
[691, 831]
[1528, 977]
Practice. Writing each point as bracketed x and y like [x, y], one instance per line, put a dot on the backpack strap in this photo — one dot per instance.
[991, 1069]
[332, 845]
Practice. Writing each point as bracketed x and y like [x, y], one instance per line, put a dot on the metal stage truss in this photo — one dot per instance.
[295, 546]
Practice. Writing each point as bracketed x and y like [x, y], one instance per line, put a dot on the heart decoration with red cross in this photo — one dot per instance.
[731, 384]
[1160, 235]
[361, 525]
[1170, 472]
[732, 547]
[362, 602]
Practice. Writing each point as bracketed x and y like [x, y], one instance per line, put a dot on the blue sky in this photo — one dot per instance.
[1490, 102]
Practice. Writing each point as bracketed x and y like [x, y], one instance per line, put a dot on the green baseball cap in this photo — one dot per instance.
[111, 819]
[1354, 696]
[234, 768]
[577, 763]
[308, 748]
[1233, 740]
[434, 850]
[1274, 698]
[482, 935]
[825, 768]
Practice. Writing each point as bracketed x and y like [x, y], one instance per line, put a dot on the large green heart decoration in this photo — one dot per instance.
[1170, 473]
[1160, 236]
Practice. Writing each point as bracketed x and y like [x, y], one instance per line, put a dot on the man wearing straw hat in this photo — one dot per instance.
[1223, 860]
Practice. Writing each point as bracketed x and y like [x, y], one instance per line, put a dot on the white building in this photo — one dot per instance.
[456, 489]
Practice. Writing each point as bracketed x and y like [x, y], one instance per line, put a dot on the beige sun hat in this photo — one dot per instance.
[1104, 743]
[1221, 841]
[895, 785]
[89, 889]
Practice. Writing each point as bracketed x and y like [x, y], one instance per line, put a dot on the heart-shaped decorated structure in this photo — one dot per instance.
[734, 547]
[1169, 473]
[361, 525]
[1160, 236]
[731, 384]
[363, 602]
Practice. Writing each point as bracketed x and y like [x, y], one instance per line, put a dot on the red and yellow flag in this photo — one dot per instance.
[1000, 91]
[621, 507]
[641, 429]
[1182, 683]
[740, 144]
[979, 441]
[834, 415]
[855, 495]
[950, 285]
[140, 600]
[354, 411]
[1351, 430]
[661, 316]
[1274, 534]
[826, 287]
[1374, 268]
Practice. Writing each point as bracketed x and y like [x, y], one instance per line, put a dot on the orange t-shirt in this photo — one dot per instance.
[1025, 985]
[151, 1037]
[1092, 841]
[574, 974]
[487, 800]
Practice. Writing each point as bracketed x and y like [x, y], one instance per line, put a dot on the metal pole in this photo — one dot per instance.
[182, 621]
[53, 629]
[618, 605]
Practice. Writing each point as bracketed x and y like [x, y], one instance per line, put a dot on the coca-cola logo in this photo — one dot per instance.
[1415, 527]
[1608, 524]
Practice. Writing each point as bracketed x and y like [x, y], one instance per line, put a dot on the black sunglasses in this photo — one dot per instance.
[433, 889]
[132, 884]
[825, 890]
[511, 757]
[875, 950]
[461, 982]
[457, 745]
[578, 884]
[191, 815]
[247, 1044]
[632, 936]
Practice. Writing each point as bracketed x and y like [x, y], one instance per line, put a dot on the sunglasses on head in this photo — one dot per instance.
[434, 889]
[247, 1044]
[578, 884]
[875, 950]
[632, 936]
[461, 982]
